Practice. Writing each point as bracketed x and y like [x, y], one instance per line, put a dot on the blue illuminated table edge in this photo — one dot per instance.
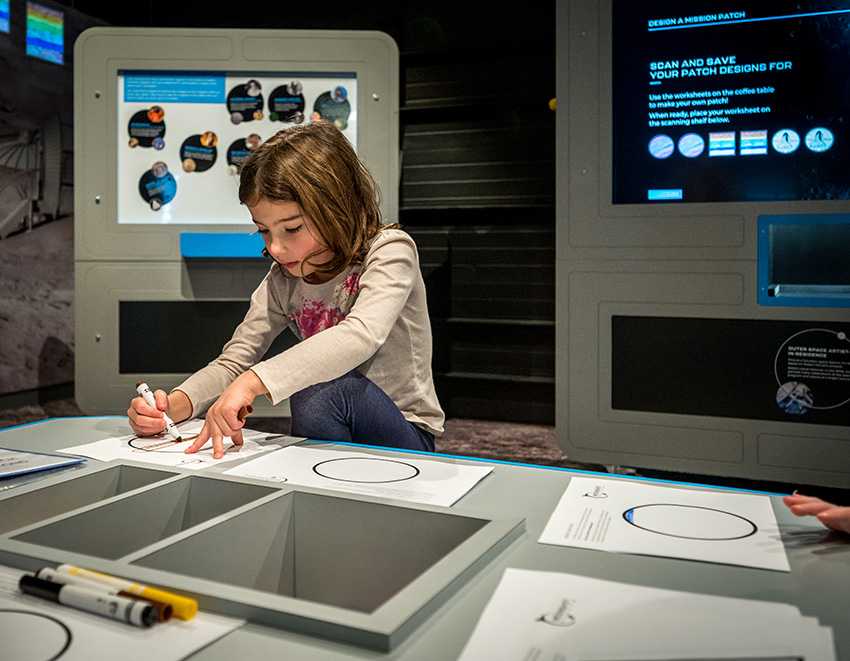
[502, 462]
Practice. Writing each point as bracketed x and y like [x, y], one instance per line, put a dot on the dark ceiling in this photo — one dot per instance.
[415, 26]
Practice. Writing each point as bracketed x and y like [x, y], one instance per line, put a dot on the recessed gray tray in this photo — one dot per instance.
[22, 508]
[330, 550]
[120, 527]
[340, 566]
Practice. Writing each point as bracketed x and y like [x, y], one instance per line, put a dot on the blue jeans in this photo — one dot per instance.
[353, 408]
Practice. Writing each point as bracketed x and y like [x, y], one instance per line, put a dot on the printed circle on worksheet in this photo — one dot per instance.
[690, 522]
[30, 636]
[365, 470]
[157, 444]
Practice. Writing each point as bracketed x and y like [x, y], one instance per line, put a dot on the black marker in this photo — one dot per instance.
[131, 611]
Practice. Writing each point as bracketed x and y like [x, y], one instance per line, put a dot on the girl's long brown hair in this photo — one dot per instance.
[315, 166]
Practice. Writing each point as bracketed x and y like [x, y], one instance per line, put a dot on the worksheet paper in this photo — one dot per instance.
[549, 616]
[625, 516]
[32, 629]
[162, 451]
[424, 481]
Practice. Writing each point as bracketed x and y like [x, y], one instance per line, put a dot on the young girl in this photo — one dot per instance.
[349, 288]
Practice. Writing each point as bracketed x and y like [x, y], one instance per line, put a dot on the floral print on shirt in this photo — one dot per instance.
[316, 315]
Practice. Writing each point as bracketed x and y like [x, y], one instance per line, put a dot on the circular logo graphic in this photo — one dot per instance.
[198, 153]
[690, 522]
[785, 141]
[812, 371]
[819, 139]
[146, 128]
[157, 186]
[366, 470]
[333, 107]
[661, 146]
[245, 102]
[691, 145]
[239, 151]
[286, 103]
[794, 398]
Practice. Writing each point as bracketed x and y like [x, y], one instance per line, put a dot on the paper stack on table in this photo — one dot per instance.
[17, 462]
[627, 516]
[548, 616]
[427, 481]
[162, 451]
[32, 628]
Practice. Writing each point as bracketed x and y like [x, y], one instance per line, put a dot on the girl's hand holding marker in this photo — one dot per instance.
[224, 418]
[147, 412]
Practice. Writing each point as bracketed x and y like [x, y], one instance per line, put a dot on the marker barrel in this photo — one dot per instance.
[184, 608]
[131, 611]
[164, 611]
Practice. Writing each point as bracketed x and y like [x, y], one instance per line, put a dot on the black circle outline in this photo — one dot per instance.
[139, 438]
[69, 637]
[697, 507]
[392, 461]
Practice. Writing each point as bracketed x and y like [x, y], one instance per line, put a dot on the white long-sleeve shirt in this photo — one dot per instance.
[373, 316]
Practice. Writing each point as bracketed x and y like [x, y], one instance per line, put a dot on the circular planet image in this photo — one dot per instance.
[691, 145]
[156, 114]
[158, 144]
[661, 146]
[189, 165]
[209, 139]
[236, 117]
[785, 141]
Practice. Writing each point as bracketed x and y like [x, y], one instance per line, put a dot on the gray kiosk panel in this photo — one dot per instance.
[163, 120]
[670, 356]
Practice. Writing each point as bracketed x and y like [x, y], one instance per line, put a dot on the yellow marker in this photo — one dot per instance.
[183, 608]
